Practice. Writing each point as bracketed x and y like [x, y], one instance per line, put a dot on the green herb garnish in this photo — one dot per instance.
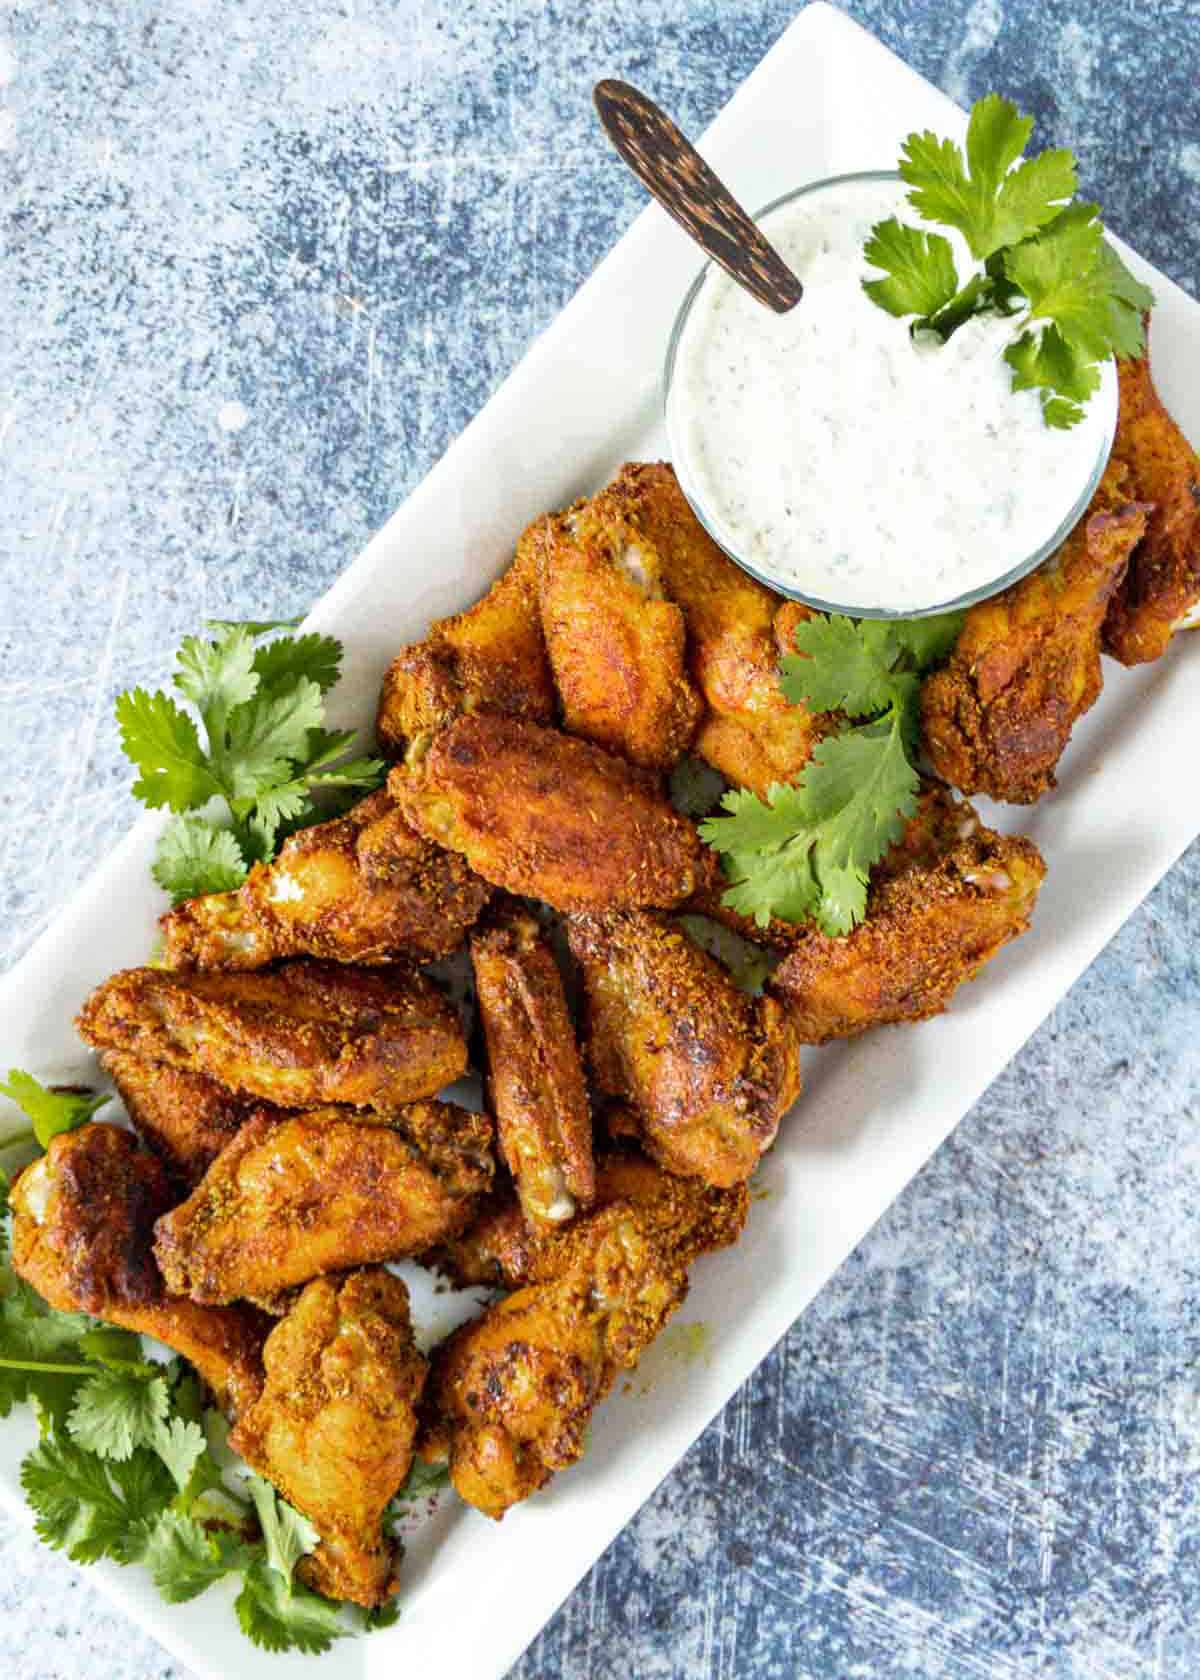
[1043, 258]
[50, 1109]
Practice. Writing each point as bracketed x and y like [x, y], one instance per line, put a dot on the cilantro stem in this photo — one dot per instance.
[45, 1365]
[25, 1135]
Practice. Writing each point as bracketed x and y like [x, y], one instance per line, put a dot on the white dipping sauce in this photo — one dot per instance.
[844, 461]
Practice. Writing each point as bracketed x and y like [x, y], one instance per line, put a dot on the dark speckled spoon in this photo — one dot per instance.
[673, 172]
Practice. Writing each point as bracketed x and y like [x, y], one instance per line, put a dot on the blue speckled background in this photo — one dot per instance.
[261, 262]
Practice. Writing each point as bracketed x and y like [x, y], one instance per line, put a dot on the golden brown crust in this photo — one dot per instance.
[549, 816]
[708, 1070]
[83, 1215]
[364, 888]
[185, 1118]
[335, 1424]
[941, 905]
[302, 1033]
[998, 716]
[490, 658]
[616, 648]
[535, 1078]
[1163, 580]
[316, 1192]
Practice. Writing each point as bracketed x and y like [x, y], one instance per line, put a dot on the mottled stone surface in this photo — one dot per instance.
[261, 262]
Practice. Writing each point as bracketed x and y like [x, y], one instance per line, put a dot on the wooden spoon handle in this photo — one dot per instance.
[674, 173]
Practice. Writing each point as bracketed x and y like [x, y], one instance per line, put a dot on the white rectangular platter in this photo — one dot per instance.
[828, 98]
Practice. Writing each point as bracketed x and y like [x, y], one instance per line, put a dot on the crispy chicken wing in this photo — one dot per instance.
[320, 1191]
[303, 1033]
[490, 658]
[708, 1070]
[749, 732]
[185, 1118]
[942, 903]
[549, 816]
[1027, 664]
[334, 1426]
[616, 646]
[535, 1078]
[83, 1218]
[364, 888]
[513, 1392]
[1162, 584]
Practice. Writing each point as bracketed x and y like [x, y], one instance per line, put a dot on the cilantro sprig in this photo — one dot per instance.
[254, 747]
[1043, 258]
[807, 850]
[50, 1109]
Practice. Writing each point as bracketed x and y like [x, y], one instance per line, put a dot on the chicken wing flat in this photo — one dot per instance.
[1163, 581]
[303, 1033]
[334, 1426]
[998, 716]
[364, 888]
[616, 647]
[490, 658]
[535, 1078]
[83, 1220]
[941, 904]
[749, 732]
[549, 816]
[513, 1392]
[185, 1118]
[708, 1070]
[501, 1249]
[291, 1199]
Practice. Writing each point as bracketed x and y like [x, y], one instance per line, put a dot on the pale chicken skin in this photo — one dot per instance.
[83, 1219]
[491, 658]
[363, 888]
[535, 1078]
[548, 816]
[185, 1118]
[513, 1392]
[616, 646]
[291, 1199]
[942, 904]
[708, 1070]
[334, 1426]
[299, 1034]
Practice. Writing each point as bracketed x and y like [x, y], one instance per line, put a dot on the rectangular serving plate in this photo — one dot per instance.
[828, 98]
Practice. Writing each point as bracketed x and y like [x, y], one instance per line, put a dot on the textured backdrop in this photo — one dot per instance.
[262, 260]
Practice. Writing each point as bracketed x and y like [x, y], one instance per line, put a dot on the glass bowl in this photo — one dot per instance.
[1106, 396]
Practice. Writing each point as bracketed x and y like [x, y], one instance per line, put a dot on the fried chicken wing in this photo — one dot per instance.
[490, 658]
[293, 1198]
[616, 647]
[513, 1392]
[364, 888]
[83, 1219]
[549, 816]
[185, 1118]
[303, 1033]
[708, 1070]
[334, 1426]
[749, 732]
[998, 716]
[941, 904]
[1162, 584]
[535, 1078]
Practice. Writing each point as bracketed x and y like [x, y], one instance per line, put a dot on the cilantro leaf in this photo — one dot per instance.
[1047, 363]
[253, 626]
[40, 1358]
[115, 1411]
[266, 734]
[52, 1109]
[193, 856]
[919, 273]
[182, 1446]
[118, 1350]
[287, 1534]
[317, 659]
[841, 665]
[217, 676]
[279, 1617]
[184, 1559]
[163, 743]
[927, 641]
[91, 1508]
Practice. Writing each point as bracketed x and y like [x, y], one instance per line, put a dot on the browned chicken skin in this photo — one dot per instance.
[616, 646]
[749, 732]
[303, 1033]
[942, 904]
[550, 817]
[535, 1078]
[490, 658]
[997, 717]
[513, 1392]
[320, 1191]
[83, 1217]
[364, 888]
[708, 1070]
[185, 1118]
[1163, 581]
[334, 1426]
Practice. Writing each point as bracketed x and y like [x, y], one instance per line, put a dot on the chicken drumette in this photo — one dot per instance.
[185, 1118]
